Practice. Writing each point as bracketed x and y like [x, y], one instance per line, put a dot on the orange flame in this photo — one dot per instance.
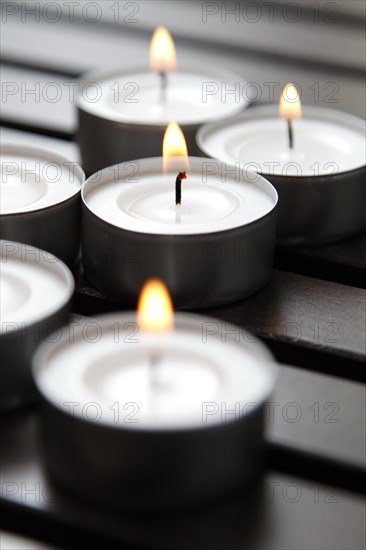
[175, 153]
[290, 104]
[162, 52]
[155, 308]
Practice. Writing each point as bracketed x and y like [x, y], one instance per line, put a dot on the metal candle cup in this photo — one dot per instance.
[40, 201]
[216, 247]
[113, 437]
[127, 119]
[320, 182]
[36, 290]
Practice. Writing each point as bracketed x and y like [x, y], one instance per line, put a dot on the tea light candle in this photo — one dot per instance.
[168, 417]
[40, 200]
[36, 289]
[130, 111]
[320, 180]
[213, 248]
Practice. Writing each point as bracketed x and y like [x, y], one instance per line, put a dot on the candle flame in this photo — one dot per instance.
[175, 153]
[155, 308]
[290, 104]
[162, 51]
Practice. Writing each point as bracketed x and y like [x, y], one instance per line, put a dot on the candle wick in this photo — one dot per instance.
[163, 86]
[178, 187]
[155, 359]
[290, 133]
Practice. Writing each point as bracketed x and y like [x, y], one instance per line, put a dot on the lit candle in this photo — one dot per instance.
[319, 179]
[35, 294]
[181, 430]
[213, 248]
[290, 109]
[162, 58]
[40, 200]
[129, 118]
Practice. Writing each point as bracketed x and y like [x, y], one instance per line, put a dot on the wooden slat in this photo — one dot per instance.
[304, 40]
[343, 262]
[270, 519]
[312, 37]
[306, 322]
[37, 100]
[71, 48]
[320, 415]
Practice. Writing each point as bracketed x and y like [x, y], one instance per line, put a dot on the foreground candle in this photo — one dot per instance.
[126, 115]
[36, 290]
[40, 200]
[317, 166]
[150, 415]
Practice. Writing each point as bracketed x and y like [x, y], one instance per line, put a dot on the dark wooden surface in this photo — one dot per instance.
[342, 262]
[322, 517]
[311, 314]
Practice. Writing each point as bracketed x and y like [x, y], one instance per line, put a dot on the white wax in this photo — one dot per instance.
[191, 97]
[32, 179]
[173, 393]
[147, 205]
[33, 285]
[325, 142]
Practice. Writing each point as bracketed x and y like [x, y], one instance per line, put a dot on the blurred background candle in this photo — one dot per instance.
[36, 290]
[316, 161]
[40, 200]
[133, 109]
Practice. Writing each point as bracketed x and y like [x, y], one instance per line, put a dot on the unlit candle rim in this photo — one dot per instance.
[41, 154]
[45, 260]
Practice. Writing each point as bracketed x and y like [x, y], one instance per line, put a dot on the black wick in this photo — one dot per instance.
[178, 186]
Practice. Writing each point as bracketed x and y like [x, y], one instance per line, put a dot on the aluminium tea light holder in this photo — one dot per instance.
[40, 200]
[36, 292]
[116, 129]
[320, 181]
